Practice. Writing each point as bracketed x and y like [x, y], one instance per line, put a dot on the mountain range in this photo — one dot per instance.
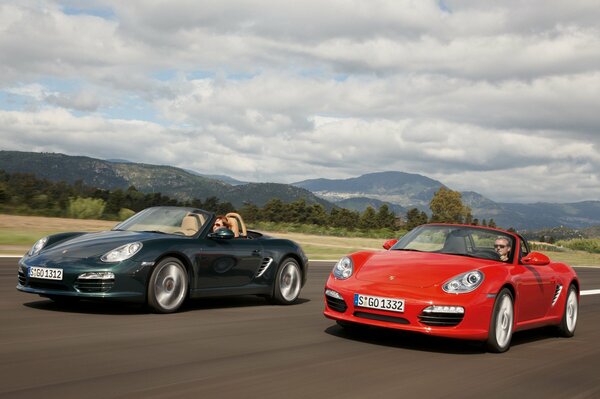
[400, 191]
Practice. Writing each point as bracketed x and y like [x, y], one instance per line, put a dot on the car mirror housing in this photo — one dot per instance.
[222, 234]
[536, 259]
[389, 243]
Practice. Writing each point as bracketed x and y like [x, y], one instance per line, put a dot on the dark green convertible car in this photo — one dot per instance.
[162, 256]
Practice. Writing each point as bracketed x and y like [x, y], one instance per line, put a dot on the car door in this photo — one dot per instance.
[227, 262]
[535, 291]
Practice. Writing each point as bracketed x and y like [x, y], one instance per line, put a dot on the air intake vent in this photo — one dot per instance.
[266, 262]
[440, 319]
[94, 285]
[557, 292]
[336, 304]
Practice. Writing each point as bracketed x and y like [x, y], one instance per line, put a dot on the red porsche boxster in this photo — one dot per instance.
[457, 281]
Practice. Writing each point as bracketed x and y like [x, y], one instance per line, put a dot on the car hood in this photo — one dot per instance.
[95, 244]
[415, 269]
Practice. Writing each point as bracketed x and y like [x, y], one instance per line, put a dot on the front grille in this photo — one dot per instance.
[441, 319]
[336, 304]
[94, 285]
[381, 317]
[266, 262]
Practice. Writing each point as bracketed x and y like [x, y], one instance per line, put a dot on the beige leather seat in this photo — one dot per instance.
[190, 224]
[236, 224]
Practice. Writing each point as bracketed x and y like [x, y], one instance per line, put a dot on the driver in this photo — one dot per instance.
[502, 247]
[221, 222]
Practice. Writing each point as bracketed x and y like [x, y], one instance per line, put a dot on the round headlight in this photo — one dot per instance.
[343, 269]
[122, 253]
[464, 283]
[37, 247]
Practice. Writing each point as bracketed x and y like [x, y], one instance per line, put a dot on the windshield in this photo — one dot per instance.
[458, 240]
[167, 220]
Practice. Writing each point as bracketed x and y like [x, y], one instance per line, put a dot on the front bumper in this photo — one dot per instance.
[472, 324]
[128, 284]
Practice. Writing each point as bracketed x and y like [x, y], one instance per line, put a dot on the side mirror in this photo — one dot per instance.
[222, 234]
[389, 243]
[536, 259]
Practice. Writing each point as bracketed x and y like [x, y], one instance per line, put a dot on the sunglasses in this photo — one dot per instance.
[500, 246]
[218, 224]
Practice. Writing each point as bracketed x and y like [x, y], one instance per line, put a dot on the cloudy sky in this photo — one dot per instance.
[498, 97]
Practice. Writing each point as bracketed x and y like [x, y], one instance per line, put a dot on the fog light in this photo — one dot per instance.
[444, 309]
[97, 276]
[333, 294]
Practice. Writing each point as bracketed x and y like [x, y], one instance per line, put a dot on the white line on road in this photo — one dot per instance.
[590, 292]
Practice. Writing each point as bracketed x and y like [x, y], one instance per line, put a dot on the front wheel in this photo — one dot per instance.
[568, 323]
[168, 286]
[501, 325]
[288, 282]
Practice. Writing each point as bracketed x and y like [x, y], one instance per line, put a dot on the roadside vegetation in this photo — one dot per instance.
[324, 234]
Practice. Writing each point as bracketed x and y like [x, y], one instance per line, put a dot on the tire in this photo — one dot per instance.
[168, 286]
[288, 282]
[567, 325]
[501, 325]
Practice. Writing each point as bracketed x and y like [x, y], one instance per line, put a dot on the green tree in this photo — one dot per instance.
[491, 223]
[368, 219]
[250, 213]
[446, 207]
[85, 208]
[386, 218]
[415, 218]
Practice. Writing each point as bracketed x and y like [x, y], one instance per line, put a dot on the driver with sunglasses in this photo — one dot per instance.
[502, 247]
[220, 223]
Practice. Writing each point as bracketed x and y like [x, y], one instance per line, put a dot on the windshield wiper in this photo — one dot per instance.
[153, 231]
[407, 249]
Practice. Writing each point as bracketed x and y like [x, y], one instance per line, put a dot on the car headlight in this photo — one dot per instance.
[464, 283]
[343, 269]
[37, 247]
[121, 253]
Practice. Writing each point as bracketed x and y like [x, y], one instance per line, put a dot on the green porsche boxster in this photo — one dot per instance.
[162, 256]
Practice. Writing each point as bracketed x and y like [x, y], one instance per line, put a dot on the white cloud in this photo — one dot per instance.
[469, 94]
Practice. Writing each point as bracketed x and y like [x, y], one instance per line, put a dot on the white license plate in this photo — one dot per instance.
[377, 302]
[46, 273]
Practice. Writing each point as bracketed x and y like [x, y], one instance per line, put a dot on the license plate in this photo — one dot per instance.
[46, 273]
[377, 302]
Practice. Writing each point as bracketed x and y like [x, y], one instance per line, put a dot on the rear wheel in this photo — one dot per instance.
[288, 282]
[168, 286]
[568, 323]
[501, 326]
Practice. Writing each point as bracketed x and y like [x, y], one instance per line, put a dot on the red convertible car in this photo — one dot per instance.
[457, 281]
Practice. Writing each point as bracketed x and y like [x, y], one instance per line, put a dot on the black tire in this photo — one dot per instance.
[567, 325]
[168, 286]
[501, 325]
[288, 282]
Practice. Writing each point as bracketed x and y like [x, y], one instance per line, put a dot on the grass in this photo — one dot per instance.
[18, 233]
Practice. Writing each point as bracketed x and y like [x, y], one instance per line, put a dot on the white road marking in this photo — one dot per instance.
[590, 292]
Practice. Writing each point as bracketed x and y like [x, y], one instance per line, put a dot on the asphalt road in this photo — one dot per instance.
[246, 348]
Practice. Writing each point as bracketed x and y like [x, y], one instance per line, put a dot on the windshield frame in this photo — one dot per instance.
[482, 247]
[165, 219]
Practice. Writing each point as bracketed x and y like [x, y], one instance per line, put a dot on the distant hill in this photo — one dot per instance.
[400, 191]
[361, 203]
[168, 180]
[404, 189]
